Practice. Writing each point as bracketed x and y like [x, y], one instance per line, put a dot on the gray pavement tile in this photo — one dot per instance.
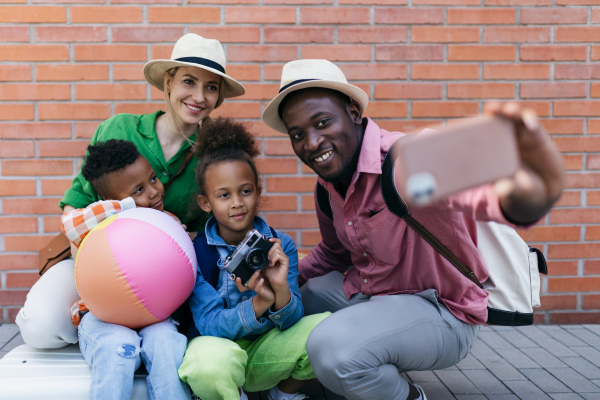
[556, 348]
[436, 391]
[532, 332]
[591, 338]
[517, 339]
[457, 382]
[500, 328]
[502, 397]
[589, 353]
[7, 333]
[562, 335]
[486, 382]
[494, 340]
[471, 397]
[565, 396]
[545, 380]
[593, 328]
[15, 341]
[494, 363]
[574, 380]
[470, 362]
[589, 396]
[543, 358]
[526, 390]
[422, 376]
[583, 366]
[518, 358]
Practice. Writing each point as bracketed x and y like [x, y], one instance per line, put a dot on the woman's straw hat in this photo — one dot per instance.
[302, 74]
[192, 50]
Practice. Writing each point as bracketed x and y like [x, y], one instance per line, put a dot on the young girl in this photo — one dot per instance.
[253, 336]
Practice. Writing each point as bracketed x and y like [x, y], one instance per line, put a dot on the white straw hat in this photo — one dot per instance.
[302, 74]
[192, 50]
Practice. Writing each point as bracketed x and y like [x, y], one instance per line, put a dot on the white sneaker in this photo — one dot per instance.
[243, 396]
[421, 392]
[296, 396]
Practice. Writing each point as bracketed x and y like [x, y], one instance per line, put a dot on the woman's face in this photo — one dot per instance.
[192, 93]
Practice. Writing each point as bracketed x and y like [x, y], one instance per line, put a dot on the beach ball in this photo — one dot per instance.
[135, 268]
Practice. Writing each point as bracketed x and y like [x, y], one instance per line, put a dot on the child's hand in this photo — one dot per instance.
[265, 297]
[277, 273]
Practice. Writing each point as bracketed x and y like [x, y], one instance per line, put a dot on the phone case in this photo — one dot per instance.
[465, 154]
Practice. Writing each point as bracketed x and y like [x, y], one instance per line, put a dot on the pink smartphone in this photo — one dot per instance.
[467, 153]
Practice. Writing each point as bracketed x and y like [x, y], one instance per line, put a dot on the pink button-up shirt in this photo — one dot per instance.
[389, 257]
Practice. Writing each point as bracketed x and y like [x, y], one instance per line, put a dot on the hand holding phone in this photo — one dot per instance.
[467, 153]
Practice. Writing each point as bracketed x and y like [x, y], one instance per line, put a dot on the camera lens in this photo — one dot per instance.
[256, 259]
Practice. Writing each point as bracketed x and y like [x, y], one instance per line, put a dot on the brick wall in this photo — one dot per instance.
[65, 65]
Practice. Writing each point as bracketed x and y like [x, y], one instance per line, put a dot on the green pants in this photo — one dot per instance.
[215, 367]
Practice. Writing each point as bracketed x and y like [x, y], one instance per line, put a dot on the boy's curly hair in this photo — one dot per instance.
[105, 157]
[223, 139]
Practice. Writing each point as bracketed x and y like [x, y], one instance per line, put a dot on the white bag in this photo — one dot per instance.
[514, 268]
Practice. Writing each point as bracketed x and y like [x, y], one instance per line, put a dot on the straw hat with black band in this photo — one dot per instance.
[192, 50]
[302, 74]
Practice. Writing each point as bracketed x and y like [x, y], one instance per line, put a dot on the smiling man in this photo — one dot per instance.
[398, 304]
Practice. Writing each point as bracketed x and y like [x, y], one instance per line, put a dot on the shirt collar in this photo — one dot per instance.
[213, 238]
[369, 160]
[147, 124]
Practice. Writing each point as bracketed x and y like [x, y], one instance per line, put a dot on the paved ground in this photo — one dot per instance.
[541, 362]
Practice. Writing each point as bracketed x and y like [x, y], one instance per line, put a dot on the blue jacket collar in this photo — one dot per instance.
[213, 238]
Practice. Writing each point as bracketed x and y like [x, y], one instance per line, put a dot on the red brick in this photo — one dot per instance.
[70, 34]
[583, 180]
[553, 16]
[337, 52]
[445, 71]
[179, 14]
[34, 52]
[139, 108]
[17, 149]
[25, 243]
[278, 203]
[574, 318]
[293, 220]
[444, 109]
[334, 15]
[18, 261]
[135, 34]
[551, 90]
[261, 53]
[575, 216]
[34, 91]
[481, 90]
[515, 34]
[577, 71]
[593, 126]
[446, 2]
[573, 162]
[557, 126]
[562, 268]
[409, 16]
[17, 187]
[16, 280]
[128, 72]
[55, 187]
[409, 53]
[238, 110]
[310, 238]
[516, 71]
[75, 111]
[364, 2]
[374, 34]
[108, 52]
[593, 162]
[518, 2]
[308, 202]
[260, 91]
[551, 234]
[259, 15]
[595, 89]
[481, 16]
[577, 108]
[553, 53]
[592, 233]
[16, 112]
[18, 225]
[52, 224]
[292, 184]
[13, 297]
[14, 34]
[408, 91]
[444, 34]
[481, 53]
[590, 301]
[33, 14]
[13, 73]
[387, 109]
[593, 198]
[591, 267]
[560, 302]
[571, 198]
[279, 165]
[595, 15]
[35, 130]
[278, 147]
[227, 34]
[106, 14]
[583, 284]
[595, 53]
[31, 206]
[71, 72]
[578, 34]
[59, 148]
[107, 91]
[36, 167]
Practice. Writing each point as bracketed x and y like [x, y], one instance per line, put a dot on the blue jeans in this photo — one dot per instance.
[115, 352]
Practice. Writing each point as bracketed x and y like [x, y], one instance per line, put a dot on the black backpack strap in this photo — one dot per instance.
[324, 201]
[208, 257]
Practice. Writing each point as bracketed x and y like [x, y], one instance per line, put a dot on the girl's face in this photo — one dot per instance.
[192, 93]
[232, 195]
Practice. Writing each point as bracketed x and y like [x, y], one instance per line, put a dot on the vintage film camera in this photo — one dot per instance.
[249, 256]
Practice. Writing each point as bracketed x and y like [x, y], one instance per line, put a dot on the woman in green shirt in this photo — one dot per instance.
[195, 83]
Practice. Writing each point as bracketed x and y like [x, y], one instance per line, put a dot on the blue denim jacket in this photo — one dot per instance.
[226, 312]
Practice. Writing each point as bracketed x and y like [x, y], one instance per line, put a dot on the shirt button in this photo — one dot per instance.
[350, 223]
[366, 281]
[276, 316]
[365, 254]
[244, 298]
[165, 173]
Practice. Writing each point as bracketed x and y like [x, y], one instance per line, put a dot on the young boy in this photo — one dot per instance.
[116, 170]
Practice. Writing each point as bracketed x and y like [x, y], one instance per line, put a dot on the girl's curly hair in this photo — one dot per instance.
[220, 140]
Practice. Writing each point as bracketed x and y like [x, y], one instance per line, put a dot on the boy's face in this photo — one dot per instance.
[232, 195]
[139, 181]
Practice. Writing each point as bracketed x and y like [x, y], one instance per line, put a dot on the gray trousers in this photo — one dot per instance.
[360, 350]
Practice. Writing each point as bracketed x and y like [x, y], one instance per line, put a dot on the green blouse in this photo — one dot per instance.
[180, 198]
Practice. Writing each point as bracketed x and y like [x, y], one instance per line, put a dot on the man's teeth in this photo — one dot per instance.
[324, 156]
[193, 108]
